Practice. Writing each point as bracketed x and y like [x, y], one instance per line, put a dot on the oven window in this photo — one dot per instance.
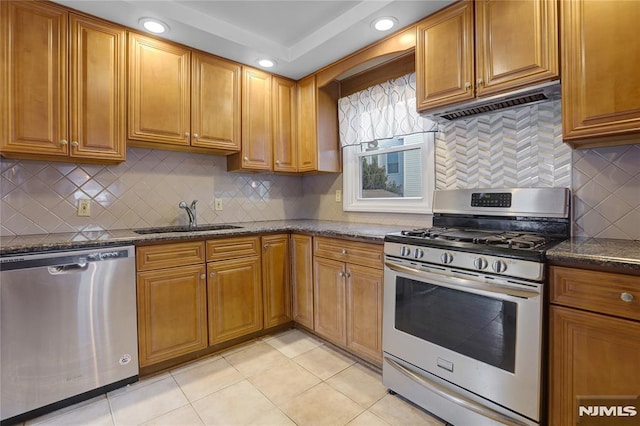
[479, 327]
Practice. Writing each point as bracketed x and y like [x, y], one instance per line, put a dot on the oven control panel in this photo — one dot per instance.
[491, 199]
[507, 267]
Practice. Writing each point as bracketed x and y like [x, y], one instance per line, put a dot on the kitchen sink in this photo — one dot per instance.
[167, 229]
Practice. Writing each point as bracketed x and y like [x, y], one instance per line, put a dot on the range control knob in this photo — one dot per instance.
[480, 263]
[418, 253]
[405, 251]
[446, 258]
[499, 266]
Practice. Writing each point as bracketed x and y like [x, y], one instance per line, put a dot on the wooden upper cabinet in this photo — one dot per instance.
[257, 138]
[444, 57]
[318, 145]
[64, 79]
[34, 79]
[215, 103]
[515, 45]
[600, 78]
[98, 90]
[307, 133]
[285, 146]
[159, 91]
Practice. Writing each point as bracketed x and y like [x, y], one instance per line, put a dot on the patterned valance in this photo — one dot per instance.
[381, 112]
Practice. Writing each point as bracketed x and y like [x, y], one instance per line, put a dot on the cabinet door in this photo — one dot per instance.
[592, 355]
[302, 279]
[234, 294]
[215, 107]
[159, 91]
[97, 96]
[307, 126]
[444, 57]
[285, 152]
[600, 78]
[33, 105]
[364, 311]
[257, 139]
[329, 299]
[172, 313]
[276, 287]
[516, 44]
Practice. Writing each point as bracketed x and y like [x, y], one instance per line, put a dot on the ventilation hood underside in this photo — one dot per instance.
[521, 97]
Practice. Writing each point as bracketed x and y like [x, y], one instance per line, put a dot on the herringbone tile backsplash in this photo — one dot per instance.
[521, 147]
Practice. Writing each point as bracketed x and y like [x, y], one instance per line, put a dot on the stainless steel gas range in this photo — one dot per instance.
[463, 304]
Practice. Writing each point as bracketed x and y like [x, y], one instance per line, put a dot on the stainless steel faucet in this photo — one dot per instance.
[191, 212]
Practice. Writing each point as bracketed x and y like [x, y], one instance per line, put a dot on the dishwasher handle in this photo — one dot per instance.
[68, 269]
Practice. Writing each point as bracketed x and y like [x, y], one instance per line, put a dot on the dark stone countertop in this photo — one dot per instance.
[69, 241]
[616, 255]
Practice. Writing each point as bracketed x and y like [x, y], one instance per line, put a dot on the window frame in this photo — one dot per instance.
[352, 200]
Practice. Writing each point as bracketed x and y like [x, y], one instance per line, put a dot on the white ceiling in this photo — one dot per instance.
[301, 36]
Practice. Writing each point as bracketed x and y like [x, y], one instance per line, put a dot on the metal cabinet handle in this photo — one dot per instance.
[246, 159]
[75, 144]
[212, 274]
[341, 274]
[63, 142]
[347, 274]
[203, 276]
[186, 135]
[266, 245]
[467, 86]
[626, 297]
[195, 135]
[278, 162]
[344, 251]
[480, 82]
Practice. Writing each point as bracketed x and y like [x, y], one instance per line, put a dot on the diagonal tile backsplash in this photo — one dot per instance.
[41, 197]
[606, 188]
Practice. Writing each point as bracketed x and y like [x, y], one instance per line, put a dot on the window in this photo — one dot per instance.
[390, 175]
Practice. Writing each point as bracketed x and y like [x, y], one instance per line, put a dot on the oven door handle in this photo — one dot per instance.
[491, 288]
[454, 397]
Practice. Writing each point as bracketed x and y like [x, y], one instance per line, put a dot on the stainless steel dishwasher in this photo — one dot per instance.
[68, 328]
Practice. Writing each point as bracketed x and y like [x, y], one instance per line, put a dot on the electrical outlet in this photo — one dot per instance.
[84, 208]
[218, 203]
[338, 195]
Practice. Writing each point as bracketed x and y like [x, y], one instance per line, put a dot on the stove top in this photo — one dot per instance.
[516, 240]
[515, 245]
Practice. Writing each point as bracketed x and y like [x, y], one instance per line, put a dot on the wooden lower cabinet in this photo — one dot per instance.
[302, 279]
[592, 354]
[234, 295]
[172, 313]
[276, 286]
[347, 299]
[364, 310]
[329, 299]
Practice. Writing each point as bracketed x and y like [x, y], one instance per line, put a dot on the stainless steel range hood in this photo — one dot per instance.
[544, 92]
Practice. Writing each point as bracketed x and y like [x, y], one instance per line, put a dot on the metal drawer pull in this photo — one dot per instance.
[626, 297]
[453, 396]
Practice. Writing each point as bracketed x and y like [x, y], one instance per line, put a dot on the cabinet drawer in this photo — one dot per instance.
[169, 255]
[609, 293]
[232, 248]
[365, 254]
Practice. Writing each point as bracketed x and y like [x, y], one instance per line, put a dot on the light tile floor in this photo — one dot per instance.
[291, 378]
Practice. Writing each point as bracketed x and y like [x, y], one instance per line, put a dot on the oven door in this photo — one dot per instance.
[477, 332]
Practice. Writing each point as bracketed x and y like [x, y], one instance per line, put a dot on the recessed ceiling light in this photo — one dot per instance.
[266, 63]
[154, 25]
[384, 24]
